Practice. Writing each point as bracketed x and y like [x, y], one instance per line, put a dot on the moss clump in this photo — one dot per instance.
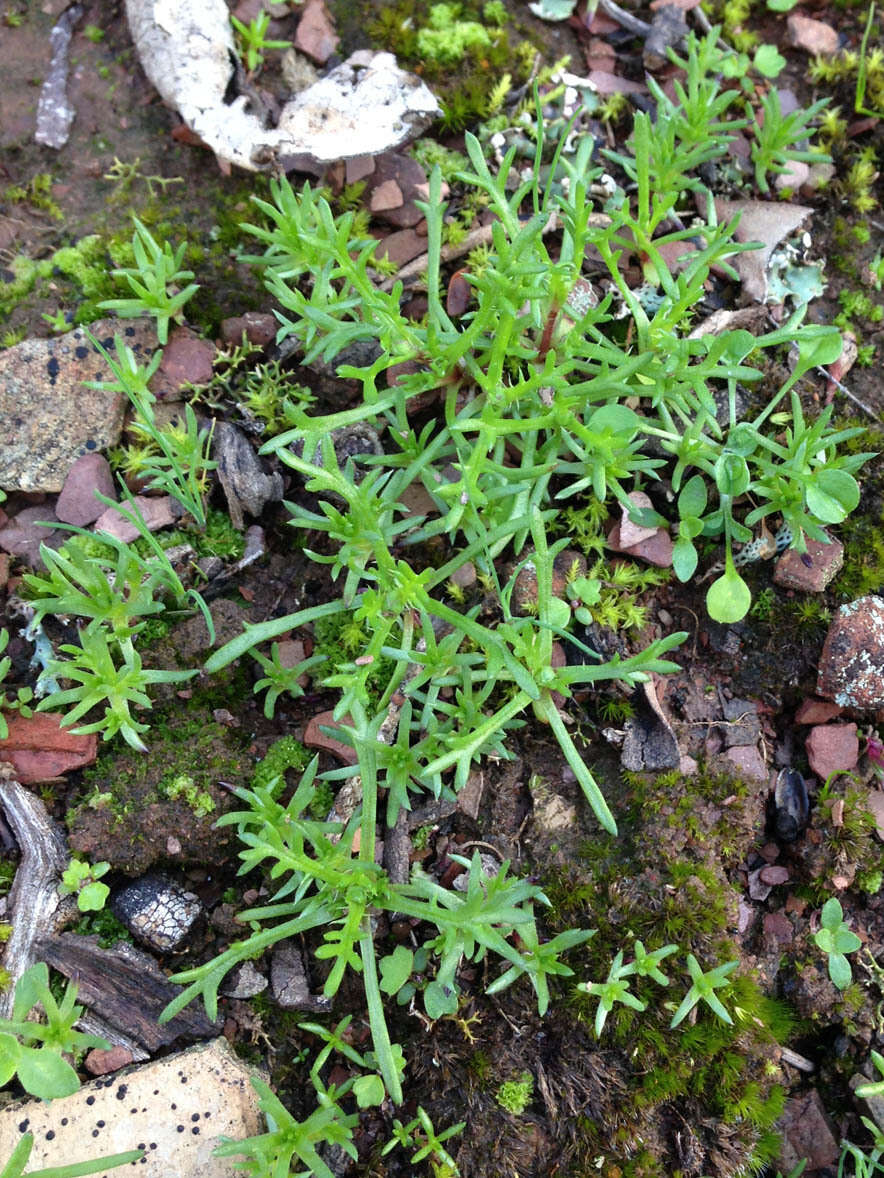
[721, 1078]
[285, 753]
[515, 1095]
[18, 280]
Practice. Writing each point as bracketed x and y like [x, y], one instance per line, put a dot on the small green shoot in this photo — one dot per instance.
[155, 281]
[835, 939]
[82, 879]
[252, 40]
[703, 987]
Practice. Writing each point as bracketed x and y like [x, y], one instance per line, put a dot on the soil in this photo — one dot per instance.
[690, 845]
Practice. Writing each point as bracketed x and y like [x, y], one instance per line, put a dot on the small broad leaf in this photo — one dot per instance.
[692, 497]
[684, 558]
[768, 61]
[728, 598]
[817, 347]
[839, 970]
[10, 1054]
[369, 1091]
[732, 475]
[43, 1073]
[439, 1000]
[396, 969]
[832, 495]
[781, 5]
[559, 613]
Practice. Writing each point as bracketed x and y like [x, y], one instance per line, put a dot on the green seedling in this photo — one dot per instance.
[835, 939]
[281, 680]
[33, 1052]
[778, 138]
[615, 989]
[155, 281]
[421, 1133]
[703, 987]
[252, 40]
[83, 880]
[21, 701]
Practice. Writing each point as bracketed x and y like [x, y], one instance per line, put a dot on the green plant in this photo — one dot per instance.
[20, 702]
[835, 939]
[101, 680]
[778, 137]
[41, 1070]
[18, 1159]
[94, 34]
[274, 1152]
[281, 680]
[252, 40]
[420, 1132]
[155, 282]
[184, 787]
[703, 987]
[82, 879]
[516, 1095]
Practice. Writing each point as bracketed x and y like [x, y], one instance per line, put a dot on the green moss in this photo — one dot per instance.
[284, 754]
[515, 1095]
[18, 280]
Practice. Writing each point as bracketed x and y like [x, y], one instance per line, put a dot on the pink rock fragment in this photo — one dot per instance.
[778, 931]
[101, 1063]
[630, 533]
[774, 875]
[832, 748]
[813, 36]
[259, 329]
[794, 572]
[315, 738]
[24, 534]
[806, 1133]
[656, 550]
[77, 503]
[157, 513]
[316, 36]
[403, 245]
[748, 762]
[817, 711]
[386, 196]
[851, 667]
[187, 359]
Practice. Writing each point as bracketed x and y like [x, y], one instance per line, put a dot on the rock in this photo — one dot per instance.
[49, 415]
[778, 931]
[156, 512]
[631, 533]
[397, 180]
[315, 738]
[875, 803]
[742, 722]
[832, 748]
[24, 534]
[794, 572]
[77, 503]
[668, 30]
[258, 329]
[806, 1133]
[402, 246]
[459, 294]
[102, 1063]
[792, 804]
[288, 981]
[774, 875]
[748, 761]
[649, 744]
[247, 487]
[793, 177]
[316, 36]
[813, 36]
[157, 912]
[816, 711]
[656, 550]
[244, 981]
[187, 359]
[567, 565]
[851, 668]
[180, 1107]
[41, 750]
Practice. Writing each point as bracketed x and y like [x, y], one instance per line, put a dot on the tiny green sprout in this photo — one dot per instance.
[703, 987]
[836, 939]
[615, 989]
[252, 42]
[647, 965]
[876, 1088]
[80, 879]
[94, 34]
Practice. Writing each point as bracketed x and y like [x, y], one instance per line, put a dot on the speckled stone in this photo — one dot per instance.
[178, 1109]
[48, 417]
[851, 668]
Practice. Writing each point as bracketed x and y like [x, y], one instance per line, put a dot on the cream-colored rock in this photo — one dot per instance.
[177, 1109]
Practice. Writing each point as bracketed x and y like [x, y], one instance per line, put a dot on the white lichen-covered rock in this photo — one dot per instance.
[365, 106]
[851, 668]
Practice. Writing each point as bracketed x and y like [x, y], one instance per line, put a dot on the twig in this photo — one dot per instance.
[624, 18]
[34, 895]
